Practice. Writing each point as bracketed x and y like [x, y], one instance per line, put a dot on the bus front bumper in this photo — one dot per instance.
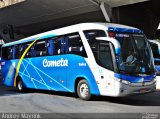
[136, 88]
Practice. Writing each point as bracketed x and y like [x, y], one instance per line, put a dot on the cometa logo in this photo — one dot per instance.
[55, 63]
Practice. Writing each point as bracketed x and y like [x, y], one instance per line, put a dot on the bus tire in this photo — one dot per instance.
[83, 90]
[20, 85]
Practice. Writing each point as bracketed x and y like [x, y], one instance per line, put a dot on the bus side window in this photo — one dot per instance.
[32, 51]
[28, 54]
[23, 48]
[75, 45]
[13, 52]
[155, 50]
[62, 45]
[10, 53]
[17, 52]
[50, 47]
[40, 48]
[20, 50]
[66, 48]
[58, 48]
[6, 54]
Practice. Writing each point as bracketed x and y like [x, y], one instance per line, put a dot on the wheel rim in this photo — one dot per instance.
[20, 85]
[84, 90]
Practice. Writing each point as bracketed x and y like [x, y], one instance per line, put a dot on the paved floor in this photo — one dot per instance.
[54, 102]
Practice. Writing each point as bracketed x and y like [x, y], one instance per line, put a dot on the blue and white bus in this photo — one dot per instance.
[86, 59]
[1, 43]
[155, 46]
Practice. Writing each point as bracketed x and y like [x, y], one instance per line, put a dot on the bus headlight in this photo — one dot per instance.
[117, 79]
[122, 81]
[155, 79]
[125, 82]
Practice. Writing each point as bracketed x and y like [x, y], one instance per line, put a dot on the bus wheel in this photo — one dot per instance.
[20, 85]
[83, 90]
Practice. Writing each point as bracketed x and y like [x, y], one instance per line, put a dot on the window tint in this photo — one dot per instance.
[94, 47]
[17, 52]
[39, 49]
[23, 48]
[66, 44]
[57, 42]
[50, 47]
[105, 57]
[28, 54]
[6, 53]
[100, 49]
[91, 36]
[73, 45]
[155, 50]
[13, 52]
[33, 51]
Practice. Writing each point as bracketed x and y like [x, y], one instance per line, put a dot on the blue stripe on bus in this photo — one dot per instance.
[124, 30]
[157, 67]
[156, 59]
[40, 73]
[135, 79]
[117, 50]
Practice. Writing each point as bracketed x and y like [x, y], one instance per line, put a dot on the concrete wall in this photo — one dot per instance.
[6, 36]
[137, 15]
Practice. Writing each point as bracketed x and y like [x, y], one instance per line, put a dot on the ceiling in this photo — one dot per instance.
[116, 3]
[34, 11]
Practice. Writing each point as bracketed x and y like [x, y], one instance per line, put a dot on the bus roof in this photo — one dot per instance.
[75, 28]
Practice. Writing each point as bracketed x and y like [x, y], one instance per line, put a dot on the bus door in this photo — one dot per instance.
[106, 60]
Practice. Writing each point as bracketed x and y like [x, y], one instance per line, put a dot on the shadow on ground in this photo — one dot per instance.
[150, 99]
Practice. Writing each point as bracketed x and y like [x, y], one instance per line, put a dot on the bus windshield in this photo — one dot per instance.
[136, 56]
[156, 51]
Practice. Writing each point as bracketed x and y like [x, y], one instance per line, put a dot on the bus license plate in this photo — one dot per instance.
[143, 90]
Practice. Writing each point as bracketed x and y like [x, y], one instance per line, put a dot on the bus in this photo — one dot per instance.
[1, 43]
[88, 59]
[155, 46]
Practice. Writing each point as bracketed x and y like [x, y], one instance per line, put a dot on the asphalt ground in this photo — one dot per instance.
[66, 105]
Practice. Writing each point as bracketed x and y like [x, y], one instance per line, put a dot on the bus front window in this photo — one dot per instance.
[136, 56]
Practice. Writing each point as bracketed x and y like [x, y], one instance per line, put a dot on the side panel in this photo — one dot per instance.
[104, 79]
[50, 73]
[47, 73]
[79, 68]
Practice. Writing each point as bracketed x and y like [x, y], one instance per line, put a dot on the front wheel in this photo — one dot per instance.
[83, 90]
